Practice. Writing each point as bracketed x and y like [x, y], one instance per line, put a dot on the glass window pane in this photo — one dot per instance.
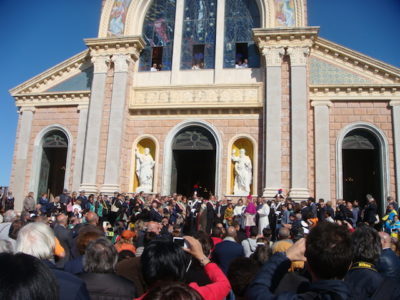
[241, 16]
[158, 31]
[199, 24]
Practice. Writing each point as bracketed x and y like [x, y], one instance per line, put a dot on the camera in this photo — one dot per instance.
[180, 242]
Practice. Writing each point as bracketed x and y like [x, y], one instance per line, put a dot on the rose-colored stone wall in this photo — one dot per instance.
[377, 113]
[16, 145]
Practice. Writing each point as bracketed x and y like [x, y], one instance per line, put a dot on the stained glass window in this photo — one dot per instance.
[158, 33]
[198, 36]
[240, 17]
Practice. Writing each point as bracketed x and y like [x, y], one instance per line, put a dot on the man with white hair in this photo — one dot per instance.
[37, 239]
[9, 217]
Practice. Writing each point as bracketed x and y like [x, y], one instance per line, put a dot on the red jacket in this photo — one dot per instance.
[217, 290]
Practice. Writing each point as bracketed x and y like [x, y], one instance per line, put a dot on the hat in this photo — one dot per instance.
[128, 234]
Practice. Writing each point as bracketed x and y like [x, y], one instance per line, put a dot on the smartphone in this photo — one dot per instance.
[180, 242]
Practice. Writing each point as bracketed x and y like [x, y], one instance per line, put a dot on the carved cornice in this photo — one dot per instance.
[321, 103]
[285, 37]
[53, 99]
[208, 96]
[357, 60]
[131, 45]
[54, 75]
[354, 92]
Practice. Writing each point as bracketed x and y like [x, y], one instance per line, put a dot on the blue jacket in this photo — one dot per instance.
[272, 272]
[225, 252]
[389, 264]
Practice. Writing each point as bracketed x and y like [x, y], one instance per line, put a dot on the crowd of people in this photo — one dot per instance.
[146, 246]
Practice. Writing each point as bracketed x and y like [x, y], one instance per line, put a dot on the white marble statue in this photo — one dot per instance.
[144, 170]
[243, 173]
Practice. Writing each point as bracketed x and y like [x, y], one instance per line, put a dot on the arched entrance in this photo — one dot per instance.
[193, 161]
[362, 166]
[53, 163]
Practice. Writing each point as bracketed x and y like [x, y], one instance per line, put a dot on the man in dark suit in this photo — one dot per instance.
[220, 211]
[65, 238]
[388, 264]
[226, 251]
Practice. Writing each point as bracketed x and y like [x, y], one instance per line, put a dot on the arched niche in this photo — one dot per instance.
[249, 145]
[142, 143]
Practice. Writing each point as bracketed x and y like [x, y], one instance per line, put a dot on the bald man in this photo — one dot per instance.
[154, 227]
[64, 235]
[389, 263]
[226, 251]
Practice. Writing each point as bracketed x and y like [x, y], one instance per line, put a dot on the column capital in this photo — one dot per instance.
[81, 107]
[121, 62]
[27, 109]
[321, 103]
[298, 55]
[273, 55]
[101, 63]
[394, 103]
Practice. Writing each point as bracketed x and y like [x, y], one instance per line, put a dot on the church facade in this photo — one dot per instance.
[193, 83]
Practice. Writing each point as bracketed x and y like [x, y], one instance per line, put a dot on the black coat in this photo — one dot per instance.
[108, 286]
[389, 264]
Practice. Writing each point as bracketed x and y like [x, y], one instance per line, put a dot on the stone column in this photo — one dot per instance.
[220, 36]
[272, 119]
[396, 136]
[115, 127]
[18, 184]
[299, 134]
[322, 150]
[176, 57]
[101, 63]
[80, 147]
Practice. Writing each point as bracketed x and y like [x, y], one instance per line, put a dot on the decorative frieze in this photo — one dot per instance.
[210, 96]
[53, 98]
[355, 92]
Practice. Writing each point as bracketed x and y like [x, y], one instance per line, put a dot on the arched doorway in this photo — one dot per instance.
[362, 167]
[193, 161]
[53, 163]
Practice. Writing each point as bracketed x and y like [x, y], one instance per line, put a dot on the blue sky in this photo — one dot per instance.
[37, 35]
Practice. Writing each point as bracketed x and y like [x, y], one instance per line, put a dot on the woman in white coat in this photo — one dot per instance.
[263, 213]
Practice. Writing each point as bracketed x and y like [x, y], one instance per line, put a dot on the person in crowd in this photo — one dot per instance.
[228, 215]
[126, 242]
[9, 201]
[328, 253]
[9, 217]
[241, 273]
[263, 251]
[44, 203]
[165, 261]
[24, 276]
[75, 266]
[238, 212]
[388, 264]
[392, 200]
[64, 235]
[173, 291]
[226, 251]
[388, 219]
[29, 203]
[250, 244]
[6, 247]
[363, 278]
[370, 211]
[220, 208]
[100, 278]
[37, 239]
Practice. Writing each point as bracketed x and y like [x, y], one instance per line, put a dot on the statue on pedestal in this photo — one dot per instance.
[144, 170]
[243, 173]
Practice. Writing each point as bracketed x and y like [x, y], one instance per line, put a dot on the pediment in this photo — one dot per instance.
[72, 75]
[333, 64]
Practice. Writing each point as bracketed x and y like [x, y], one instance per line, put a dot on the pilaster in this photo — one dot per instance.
[18, 185]
[322, 150]
[396, 136]
[299, 121]
[80, 146]
[176, 57]
[95, 113]
[115, 129]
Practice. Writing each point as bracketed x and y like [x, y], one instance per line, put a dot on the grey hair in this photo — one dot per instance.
[36, 239]
[10, 215]
[100, 256]
[6, 247]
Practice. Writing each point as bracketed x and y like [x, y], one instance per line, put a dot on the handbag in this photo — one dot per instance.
[114, 208]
